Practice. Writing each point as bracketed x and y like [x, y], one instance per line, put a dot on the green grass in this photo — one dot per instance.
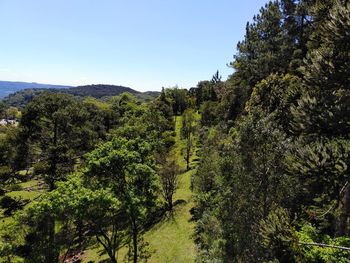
[26, 193]
[30, 195]
[32, 183]
[171, 239]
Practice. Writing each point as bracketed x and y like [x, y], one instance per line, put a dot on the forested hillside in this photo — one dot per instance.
[254, 168]
[22, 97]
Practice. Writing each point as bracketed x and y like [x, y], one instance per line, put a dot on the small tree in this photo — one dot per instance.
[188, 128]
[168, 174]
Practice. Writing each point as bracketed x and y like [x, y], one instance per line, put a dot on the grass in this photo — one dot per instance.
[171, 239]
[31, 183]
[30, 195]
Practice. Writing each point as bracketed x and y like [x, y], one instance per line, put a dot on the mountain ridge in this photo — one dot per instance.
[22, 96]
[10, 87]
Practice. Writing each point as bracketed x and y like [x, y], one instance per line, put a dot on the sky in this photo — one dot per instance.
[142, 44]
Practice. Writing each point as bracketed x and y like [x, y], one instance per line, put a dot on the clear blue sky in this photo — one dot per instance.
[143, 44]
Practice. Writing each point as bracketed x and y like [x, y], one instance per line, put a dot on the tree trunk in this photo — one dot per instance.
[112, 258]
[52, 255]
[170, 203]
[188, 152]
[342, 222]
[134, 240]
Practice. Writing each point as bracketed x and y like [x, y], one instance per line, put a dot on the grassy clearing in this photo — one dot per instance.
[30, 195]
[28, 190]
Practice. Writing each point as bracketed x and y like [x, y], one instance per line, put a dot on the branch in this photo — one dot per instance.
[332, 207]
[324, 245]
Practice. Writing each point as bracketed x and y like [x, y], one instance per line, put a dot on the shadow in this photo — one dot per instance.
[158, 215]
[179, 202]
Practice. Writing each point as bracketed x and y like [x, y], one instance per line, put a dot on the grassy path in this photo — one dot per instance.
[171, 240]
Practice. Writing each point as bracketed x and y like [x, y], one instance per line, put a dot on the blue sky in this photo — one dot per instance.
[143, 44]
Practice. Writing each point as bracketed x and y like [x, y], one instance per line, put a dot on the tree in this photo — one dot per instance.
[58, 130]
[72, 204]
[126, 166]
[2, 109]
[12, 113]
[187, 130]
[168, 173]
[102, 115]
[179, 99]
[321, 121]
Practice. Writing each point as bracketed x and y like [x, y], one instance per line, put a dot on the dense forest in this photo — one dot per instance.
[254, 168]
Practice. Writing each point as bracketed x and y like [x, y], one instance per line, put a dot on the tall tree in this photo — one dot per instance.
[322, 119]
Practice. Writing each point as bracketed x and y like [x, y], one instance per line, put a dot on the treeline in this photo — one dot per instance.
[273, 183]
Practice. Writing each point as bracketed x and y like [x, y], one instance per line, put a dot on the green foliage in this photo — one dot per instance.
[310, 234]
[68, 203]
[179, 100]
[55, 129]
[209, 113]
[279, 238]
[127, 167]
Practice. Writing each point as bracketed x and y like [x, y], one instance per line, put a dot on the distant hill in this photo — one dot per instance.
[9, 87]
[100, 91]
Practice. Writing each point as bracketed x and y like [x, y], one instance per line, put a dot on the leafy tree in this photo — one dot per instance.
[209, 113]
[12, 113]
[69, 203]
[127, 167]
[102, 115]
[164, 105]
[2, 109]
[8, 136]
[179, 99]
